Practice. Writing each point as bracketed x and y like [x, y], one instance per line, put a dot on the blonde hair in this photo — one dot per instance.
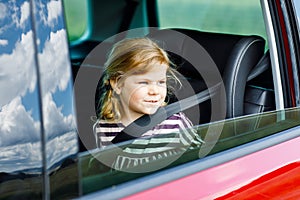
[128, 57]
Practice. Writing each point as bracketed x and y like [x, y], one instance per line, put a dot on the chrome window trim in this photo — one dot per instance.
[274, 55]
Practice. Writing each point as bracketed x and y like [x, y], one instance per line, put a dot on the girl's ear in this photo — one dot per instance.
[115, 86]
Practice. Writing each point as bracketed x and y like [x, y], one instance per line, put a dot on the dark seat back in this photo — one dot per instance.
[234, 56]
[259, 94]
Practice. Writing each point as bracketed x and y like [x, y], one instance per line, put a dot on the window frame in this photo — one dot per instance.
[250, 148]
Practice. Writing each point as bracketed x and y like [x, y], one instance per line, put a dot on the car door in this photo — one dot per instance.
[38, 142]
[21, 135]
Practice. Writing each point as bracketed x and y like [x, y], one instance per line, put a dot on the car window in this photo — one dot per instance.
[76, 16]
[107, 167]
[20, 114]
[244, 18]
[99, 171]
[37, 119]
[59, 123]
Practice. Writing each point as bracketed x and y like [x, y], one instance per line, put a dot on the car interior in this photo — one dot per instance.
[202, 56]
[239, 59]
[242, 61]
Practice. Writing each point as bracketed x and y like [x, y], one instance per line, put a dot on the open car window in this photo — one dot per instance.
[244, 18]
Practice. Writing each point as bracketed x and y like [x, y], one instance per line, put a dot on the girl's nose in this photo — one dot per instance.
[153, 89]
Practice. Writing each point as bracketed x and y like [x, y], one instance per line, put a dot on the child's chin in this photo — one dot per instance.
[150, 111]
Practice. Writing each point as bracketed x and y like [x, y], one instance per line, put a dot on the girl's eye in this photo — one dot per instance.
[162, 82]
[143, 83]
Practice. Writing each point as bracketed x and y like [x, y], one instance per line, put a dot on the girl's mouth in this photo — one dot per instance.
[152, 101]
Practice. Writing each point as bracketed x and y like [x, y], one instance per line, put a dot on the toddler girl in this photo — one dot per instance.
[135, 83]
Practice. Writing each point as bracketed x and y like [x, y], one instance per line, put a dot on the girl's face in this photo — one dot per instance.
[143, 93]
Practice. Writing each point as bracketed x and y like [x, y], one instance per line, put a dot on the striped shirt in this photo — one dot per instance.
[105, 132]
[173, 133]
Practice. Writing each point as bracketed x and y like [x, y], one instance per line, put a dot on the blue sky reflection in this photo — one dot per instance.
[19, 107]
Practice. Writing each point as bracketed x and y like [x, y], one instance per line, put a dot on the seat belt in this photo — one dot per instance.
[147, 122]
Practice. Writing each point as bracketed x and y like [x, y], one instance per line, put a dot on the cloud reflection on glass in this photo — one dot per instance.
[20, 121]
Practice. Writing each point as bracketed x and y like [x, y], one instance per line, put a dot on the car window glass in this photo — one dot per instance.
[76, 16]
[20, 119]
[96, 166]
[60, 136]
[244, 17]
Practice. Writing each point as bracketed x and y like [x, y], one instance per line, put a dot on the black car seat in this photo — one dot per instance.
[259, 94]
[234, 56]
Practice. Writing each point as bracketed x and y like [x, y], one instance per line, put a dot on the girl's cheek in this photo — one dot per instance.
[138, 94]
[142, 90]
[164, 91]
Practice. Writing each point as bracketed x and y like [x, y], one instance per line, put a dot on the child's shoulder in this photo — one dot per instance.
[180, 119]
[108, 124]
[177, 116]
